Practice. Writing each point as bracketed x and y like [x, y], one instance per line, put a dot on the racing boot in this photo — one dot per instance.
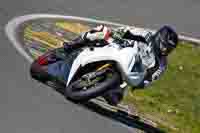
[78, 42]
[97, 36]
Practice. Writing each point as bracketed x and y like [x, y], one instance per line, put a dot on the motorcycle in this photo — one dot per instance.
[93, 70]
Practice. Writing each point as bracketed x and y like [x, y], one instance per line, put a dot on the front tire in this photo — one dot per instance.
[76, 92]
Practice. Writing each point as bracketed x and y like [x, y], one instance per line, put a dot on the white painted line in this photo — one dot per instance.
[11, 28]
[189, 39]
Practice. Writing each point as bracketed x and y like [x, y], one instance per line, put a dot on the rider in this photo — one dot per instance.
[155, 47]
[153, 50]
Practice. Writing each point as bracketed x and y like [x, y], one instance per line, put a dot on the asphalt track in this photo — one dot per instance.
[29, 107]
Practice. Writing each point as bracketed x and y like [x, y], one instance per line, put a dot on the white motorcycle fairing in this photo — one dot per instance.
[125, 59]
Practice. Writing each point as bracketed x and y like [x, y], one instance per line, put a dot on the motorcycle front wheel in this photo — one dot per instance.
[86, 88]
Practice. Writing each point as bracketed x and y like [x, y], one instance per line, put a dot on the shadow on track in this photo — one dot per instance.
[121, 117]
[133, 121]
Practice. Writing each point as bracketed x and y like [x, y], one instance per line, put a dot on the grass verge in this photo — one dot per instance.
[174, 101]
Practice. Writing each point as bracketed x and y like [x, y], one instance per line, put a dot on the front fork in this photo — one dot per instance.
[100, 72]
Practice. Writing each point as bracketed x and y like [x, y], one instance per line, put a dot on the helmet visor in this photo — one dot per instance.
[165, 46]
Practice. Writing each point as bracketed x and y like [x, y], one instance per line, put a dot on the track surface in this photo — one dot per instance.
[30, 107]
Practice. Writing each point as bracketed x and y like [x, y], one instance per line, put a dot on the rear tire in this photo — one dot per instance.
[38, 72]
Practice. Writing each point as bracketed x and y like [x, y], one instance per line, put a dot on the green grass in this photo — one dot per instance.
[174, 101]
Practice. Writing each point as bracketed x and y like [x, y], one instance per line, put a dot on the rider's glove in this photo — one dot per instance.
[99, 33]
[119, 33]
[156, 75]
